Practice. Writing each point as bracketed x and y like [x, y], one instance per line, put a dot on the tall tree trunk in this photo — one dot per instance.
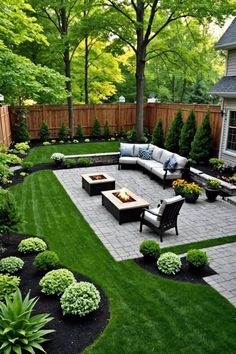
[86, 71]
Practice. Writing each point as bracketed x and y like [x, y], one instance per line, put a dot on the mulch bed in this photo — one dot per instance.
[73, 334]
[185, 275]
[209, 171]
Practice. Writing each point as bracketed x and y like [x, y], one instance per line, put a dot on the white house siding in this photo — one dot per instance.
[228, 156]
[231, 63]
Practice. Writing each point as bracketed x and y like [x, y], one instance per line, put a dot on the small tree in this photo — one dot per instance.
[10, 218]
[44, 132]
[187, 135]
[63, 132]
[79, 132]
[96, 129]
[174, 131]
[21, 128]
[202, 142]
[158, 134]
[106, 131]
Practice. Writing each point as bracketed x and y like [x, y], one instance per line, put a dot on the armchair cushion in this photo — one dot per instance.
[151, 217]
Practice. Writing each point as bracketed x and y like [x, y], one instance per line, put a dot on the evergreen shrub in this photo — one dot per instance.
[150, 249]
[32, 244]
[10, 219]
[8, 285]
[11, 264]
[44, 132]
[106, 130]
[174, 131]
[158, 135]
[79, 132]
[197, 258]
[187, 135]
[21, 128]
[63, 132]
[56, 281]
[46, 260]
[96, 129]
[169, 263]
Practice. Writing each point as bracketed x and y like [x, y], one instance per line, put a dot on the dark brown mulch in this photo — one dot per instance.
[217, 174]
[72, 334]
[186, 274]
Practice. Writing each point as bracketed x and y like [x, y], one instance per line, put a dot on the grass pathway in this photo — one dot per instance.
[148, 314]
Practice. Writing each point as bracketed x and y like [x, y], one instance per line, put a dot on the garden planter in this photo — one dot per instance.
[189, 197]
[211, 194]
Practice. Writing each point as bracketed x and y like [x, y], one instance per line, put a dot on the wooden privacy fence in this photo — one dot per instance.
[5, 127]
[118, 116]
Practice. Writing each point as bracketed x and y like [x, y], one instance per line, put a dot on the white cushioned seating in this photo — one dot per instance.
[138, 146]
[157, 153]
[149, 164]
[128, 147]
[128, 160]
[153, 218]
[181, 161]
[165, 155]
[159, 172]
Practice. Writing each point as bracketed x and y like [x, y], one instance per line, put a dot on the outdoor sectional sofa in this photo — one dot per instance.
[153, 160]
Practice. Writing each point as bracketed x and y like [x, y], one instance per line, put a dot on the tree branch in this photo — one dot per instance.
[52, 20]
[122, 12]
[150, 21]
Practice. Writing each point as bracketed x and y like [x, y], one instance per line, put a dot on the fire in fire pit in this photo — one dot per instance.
[97, 177]
[124, 196]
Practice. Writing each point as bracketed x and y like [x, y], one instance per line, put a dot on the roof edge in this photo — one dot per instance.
[225, 46]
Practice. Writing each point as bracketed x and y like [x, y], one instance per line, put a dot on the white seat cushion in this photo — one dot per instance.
[128, 160]
[157, 153]
[154, 219]
[149, 164]
[165, 155]
[181, 161]
[138, 146]
[159, 172]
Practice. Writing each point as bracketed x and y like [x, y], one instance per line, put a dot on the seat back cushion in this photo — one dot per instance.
[181, 161]
[139, 146]
[168, 201]
[126, 149]
[165, 155]
[145, 154]
[156, 154]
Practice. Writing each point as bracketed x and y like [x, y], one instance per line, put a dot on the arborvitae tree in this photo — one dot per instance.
[187, 134]
[202, 142]
[44, 132]
[21, 128]
[96, 129]
[106, 131]
[79, 132]
[158, 135]
[173, 134]
[63, 132]
[10, 219]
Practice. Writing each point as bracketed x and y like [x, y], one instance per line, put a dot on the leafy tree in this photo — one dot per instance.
[63, 132]
[174, 131]
[187, 134]
[158, 134]
[44, 132]
[202, 142]
[79, 132]
[106, 130]
[96, 129]
[21, 129]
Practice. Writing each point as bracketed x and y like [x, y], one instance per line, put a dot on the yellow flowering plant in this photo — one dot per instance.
[182, 185]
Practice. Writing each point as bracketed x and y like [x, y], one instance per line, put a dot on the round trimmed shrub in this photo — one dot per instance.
[169, 263]
[32, 244]
[150, 249]
[8, 285]
[80, 299]
[56, 281]
[197, 258]
[11, 264]
[46, 260]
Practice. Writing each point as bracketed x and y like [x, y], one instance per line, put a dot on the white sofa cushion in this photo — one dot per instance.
[168, 201]
[149, 164]
[159, 172]
[128, 160]
[165, 155]
[154, 219]
[126, 149]
[138, 146]
[181, 161]
[157, 153]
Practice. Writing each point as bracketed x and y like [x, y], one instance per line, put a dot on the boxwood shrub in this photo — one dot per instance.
[197, 258]
[150, 249]
[11, 264]
[32, 244]
[80, 299]
[8, 285]
[56, 281]
[169, 263]
[46, 260]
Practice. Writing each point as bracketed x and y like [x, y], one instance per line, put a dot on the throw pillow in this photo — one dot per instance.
[126, 151]
[170, 164]
[145, 154]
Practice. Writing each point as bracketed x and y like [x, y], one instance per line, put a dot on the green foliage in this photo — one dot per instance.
[56, 281]
[24, 146]
[70, 163]
[79, 132]
[217, 164]
[11, 264]
[19, 330]
[44, 132]
[169, 263]
[158, 134]
[46, 260]
[107, 131]
[21, 129]
[26, 166]
[32, 244]
[8, 285]
[63, 132]
[187, 135]
[10, 159]
[96, 128]
[10, 218]
[150, 249]
[213, 183]
[3, 149]
[174, 131]
[202, 142]
[80, 299]
[197, 258]
[84, 162]
[58, 158]
[5, 175]
[131, 134]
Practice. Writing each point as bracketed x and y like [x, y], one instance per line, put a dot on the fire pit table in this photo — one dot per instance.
[124, 205]
[94, 183]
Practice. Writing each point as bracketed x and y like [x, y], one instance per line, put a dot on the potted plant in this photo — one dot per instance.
[212, 189]
[190, 191]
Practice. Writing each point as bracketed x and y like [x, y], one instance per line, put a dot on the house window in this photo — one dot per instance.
[231, 142]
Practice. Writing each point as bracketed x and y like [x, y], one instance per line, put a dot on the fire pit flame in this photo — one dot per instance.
[124, 196]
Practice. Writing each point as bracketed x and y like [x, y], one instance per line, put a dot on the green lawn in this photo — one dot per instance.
[148, 314]
[42, 154]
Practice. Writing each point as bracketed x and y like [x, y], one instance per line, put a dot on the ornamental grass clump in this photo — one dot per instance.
[32, 244]
[46, 260]
[197, 258]
[20, 332]
[150, 249]
[11, 264]
[169, 263]
[56, 281]
[8, 285]
[80, 299]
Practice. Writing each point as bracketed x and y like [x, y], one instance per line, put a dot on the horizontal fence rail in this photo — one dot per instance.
[118, 116]
[5, 126]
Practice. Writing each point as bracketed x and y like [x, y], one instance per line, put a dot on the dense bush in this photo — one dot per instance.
[174, 131]
[63, 132]
[44, 132]
[70, 163]
[169, 263]
[187, 135]
[21, 147]
[10, 218]
[11, 159]
[21, 128]
[58, 158]
[158, 134]
[11, 264]
[19, 330]
[80, 299]
[46, 260]
[26, 166]
[32, 244]
[217, 164]
[197, 258]
[5, 174]
[96, 129]
[106, 130]
[8, 285]
[150, 249]
[84, 162]
[79, 132]
[202, 142]
[131, 134]
[3, 148]
[56, 281]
